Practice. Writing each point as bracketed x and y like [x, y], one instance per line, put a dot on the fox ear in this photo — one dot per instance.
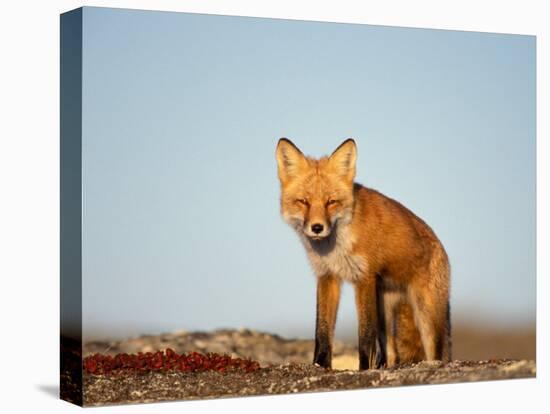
[290, 160]
[342, 160]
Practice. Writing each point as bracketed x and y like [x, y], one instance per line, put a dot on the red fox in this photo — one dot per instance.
[398, 268]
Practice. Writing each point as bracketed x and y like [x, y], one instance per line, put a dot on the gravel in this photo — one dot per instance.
[286, 368]
[288, 378]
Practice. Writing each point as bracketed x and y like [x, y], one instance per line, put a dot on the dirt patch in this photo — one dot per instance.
[285, 368]
[288, 378]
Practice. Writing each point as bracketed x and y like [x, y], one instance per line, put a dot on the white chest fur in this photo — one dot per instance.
[336, 257]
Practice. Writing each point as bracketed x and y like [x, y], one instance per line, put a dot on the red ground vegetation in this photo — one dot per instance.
[163, 361]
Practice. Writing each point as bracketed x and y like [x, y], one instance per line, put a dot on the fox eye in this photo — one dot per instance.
[301, 201]
[331, 202]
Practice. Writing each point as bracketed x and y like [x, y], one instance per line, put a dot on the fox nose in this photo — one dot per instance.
[316, 228]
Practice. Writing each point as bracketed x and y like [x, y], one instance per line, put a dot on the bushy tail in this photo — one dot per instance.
[409, 345]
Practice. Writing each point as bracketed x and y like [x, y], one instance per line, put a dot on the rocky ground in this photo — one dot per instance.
[286, 368]
[267, 349]
[288, 378]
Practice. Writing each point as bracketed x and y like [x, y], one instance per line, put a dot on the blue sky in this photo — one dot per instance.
[181, 115]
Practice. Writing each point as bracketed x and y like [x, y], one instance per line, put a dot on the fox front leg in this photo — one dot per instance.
[328, 297]
[367, 316]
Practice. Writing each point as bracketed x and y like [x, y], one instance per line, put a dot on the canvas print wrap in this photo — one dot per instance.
[256, 206]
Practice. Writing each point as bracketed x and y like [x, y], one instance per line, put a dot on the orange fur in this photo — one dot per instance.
[394, 260]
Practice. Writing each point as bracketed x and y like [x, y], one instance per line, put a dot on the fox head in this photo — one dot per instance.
[316, 194]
